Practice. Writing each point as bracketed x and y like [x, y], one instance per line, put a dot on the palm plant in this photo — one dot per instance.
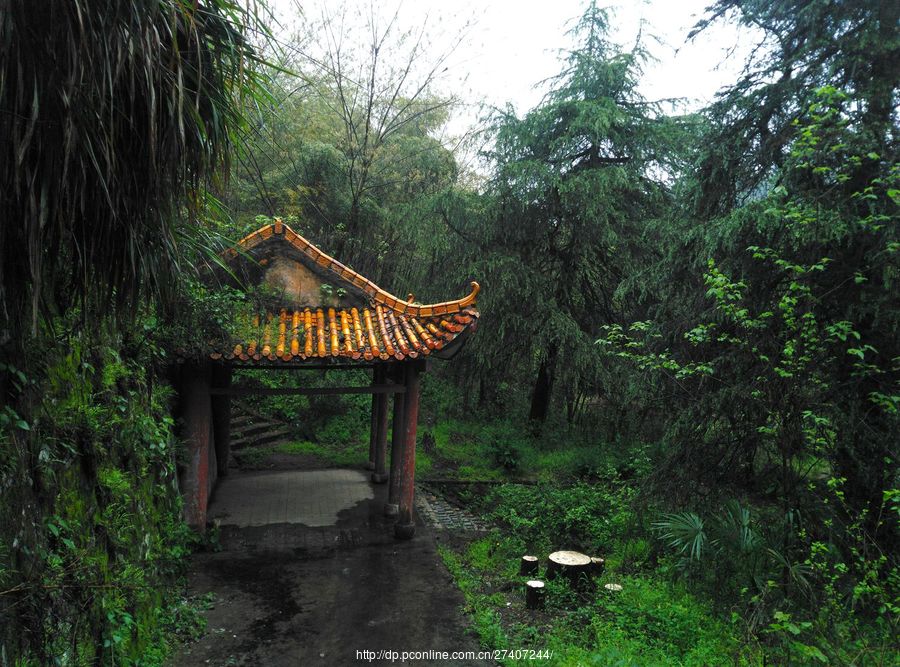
[727, 551]
[113, 115]
[728, 538]
[685, 532]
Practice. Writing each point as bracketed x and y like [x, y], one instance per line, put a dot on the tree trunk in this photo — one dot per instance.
[543, 387]
[569, 564]
[534, 594]
[574, 404]
[528, 565]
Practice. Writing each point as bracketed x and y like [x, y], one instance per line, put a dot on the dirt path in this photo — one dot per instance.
[318, 591]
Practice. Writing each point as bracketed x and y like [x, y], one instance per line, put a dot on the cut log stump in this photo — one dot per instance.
[613, 588]
[528, 566]
[534, 594]
[597, 566]
[572, 565]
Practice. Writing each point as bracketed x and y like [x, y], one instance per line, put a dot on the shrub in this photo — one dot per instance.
[504, 444]
[583, 516]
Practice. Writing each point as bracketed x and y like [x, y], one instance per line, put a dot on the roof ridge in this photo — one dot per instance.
[379, 295]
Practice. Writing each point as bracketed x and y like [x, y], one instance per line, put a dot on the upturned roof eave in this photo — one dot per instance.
[328, 263]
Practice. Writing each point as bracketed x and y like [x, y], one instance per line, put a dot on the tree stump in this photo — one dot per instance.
[569, 564]
[528, 566]
[534, 594]
[597, 565]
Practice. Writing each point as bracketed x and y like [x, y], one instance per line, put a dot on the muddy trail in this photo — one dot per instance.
[308, 572]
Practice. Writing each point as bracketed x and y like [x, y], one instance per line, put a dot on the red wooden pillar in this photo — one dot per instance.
[380, 410]
[398, 432]
[197, 415]
[405, 527]
[221, 417]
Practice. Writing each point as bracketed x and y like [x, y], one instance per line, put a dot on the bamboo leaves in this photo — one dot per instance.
[111, 116]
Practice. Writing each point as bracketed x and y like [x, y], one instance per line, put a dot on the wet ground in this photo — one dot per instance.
[309, 573]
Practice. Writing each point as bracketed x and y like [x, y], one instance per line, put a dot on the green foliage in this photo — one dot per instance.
[484, 613]
[91, 565]
[221, 312]
[115, 120]
[504, 444]
[336, 453]
[573, 181]
[335, 421]
[587, 517]
[684, 531]
[353, 153]
[740, 267]
[851, 46]
[185, 617]
[649, 622]
[805, 363]
[661, 624]
[845, 604]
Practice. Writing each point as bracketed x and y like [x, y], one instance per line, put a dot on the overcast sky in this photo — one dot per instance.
[512, 45]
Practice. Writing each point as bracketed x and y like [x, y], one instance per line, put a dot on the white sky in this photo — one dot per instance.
[515, 45]
[512, 45]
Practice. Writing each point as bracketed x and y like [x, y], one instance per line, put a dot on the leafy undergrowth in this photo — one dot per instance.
[338, 436]
[497, 450]
[93, 573]
[651, 621]
[672, 609]
[648, 622]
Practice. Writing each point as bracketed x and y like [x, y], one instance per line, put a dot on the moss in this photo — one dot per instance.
[99, 556]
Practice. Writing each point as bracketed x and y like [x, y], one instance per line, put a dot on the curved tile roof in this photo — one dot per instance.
[388, 328]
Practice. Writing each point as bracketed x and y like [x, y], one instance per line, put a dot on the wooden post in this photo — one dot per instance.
[373, 428]
[380, 404]
[392, 506]
[197, 415]
[221, 418]
[405, 527]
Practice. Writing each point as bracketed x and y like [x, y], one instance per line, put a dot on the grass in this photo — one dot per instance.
[352, 454]
[650, 622]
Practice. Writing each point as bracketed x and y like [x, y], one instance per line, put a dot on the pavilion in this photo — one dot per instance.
[321, 315]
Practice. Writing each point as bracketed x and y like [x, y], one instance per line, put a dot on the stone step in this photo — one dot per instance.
[262, 438]
[444, 515]
[252, 429]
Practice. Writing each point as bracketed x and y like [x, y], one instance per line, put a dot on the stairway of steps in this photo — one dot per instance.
[251, 429]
